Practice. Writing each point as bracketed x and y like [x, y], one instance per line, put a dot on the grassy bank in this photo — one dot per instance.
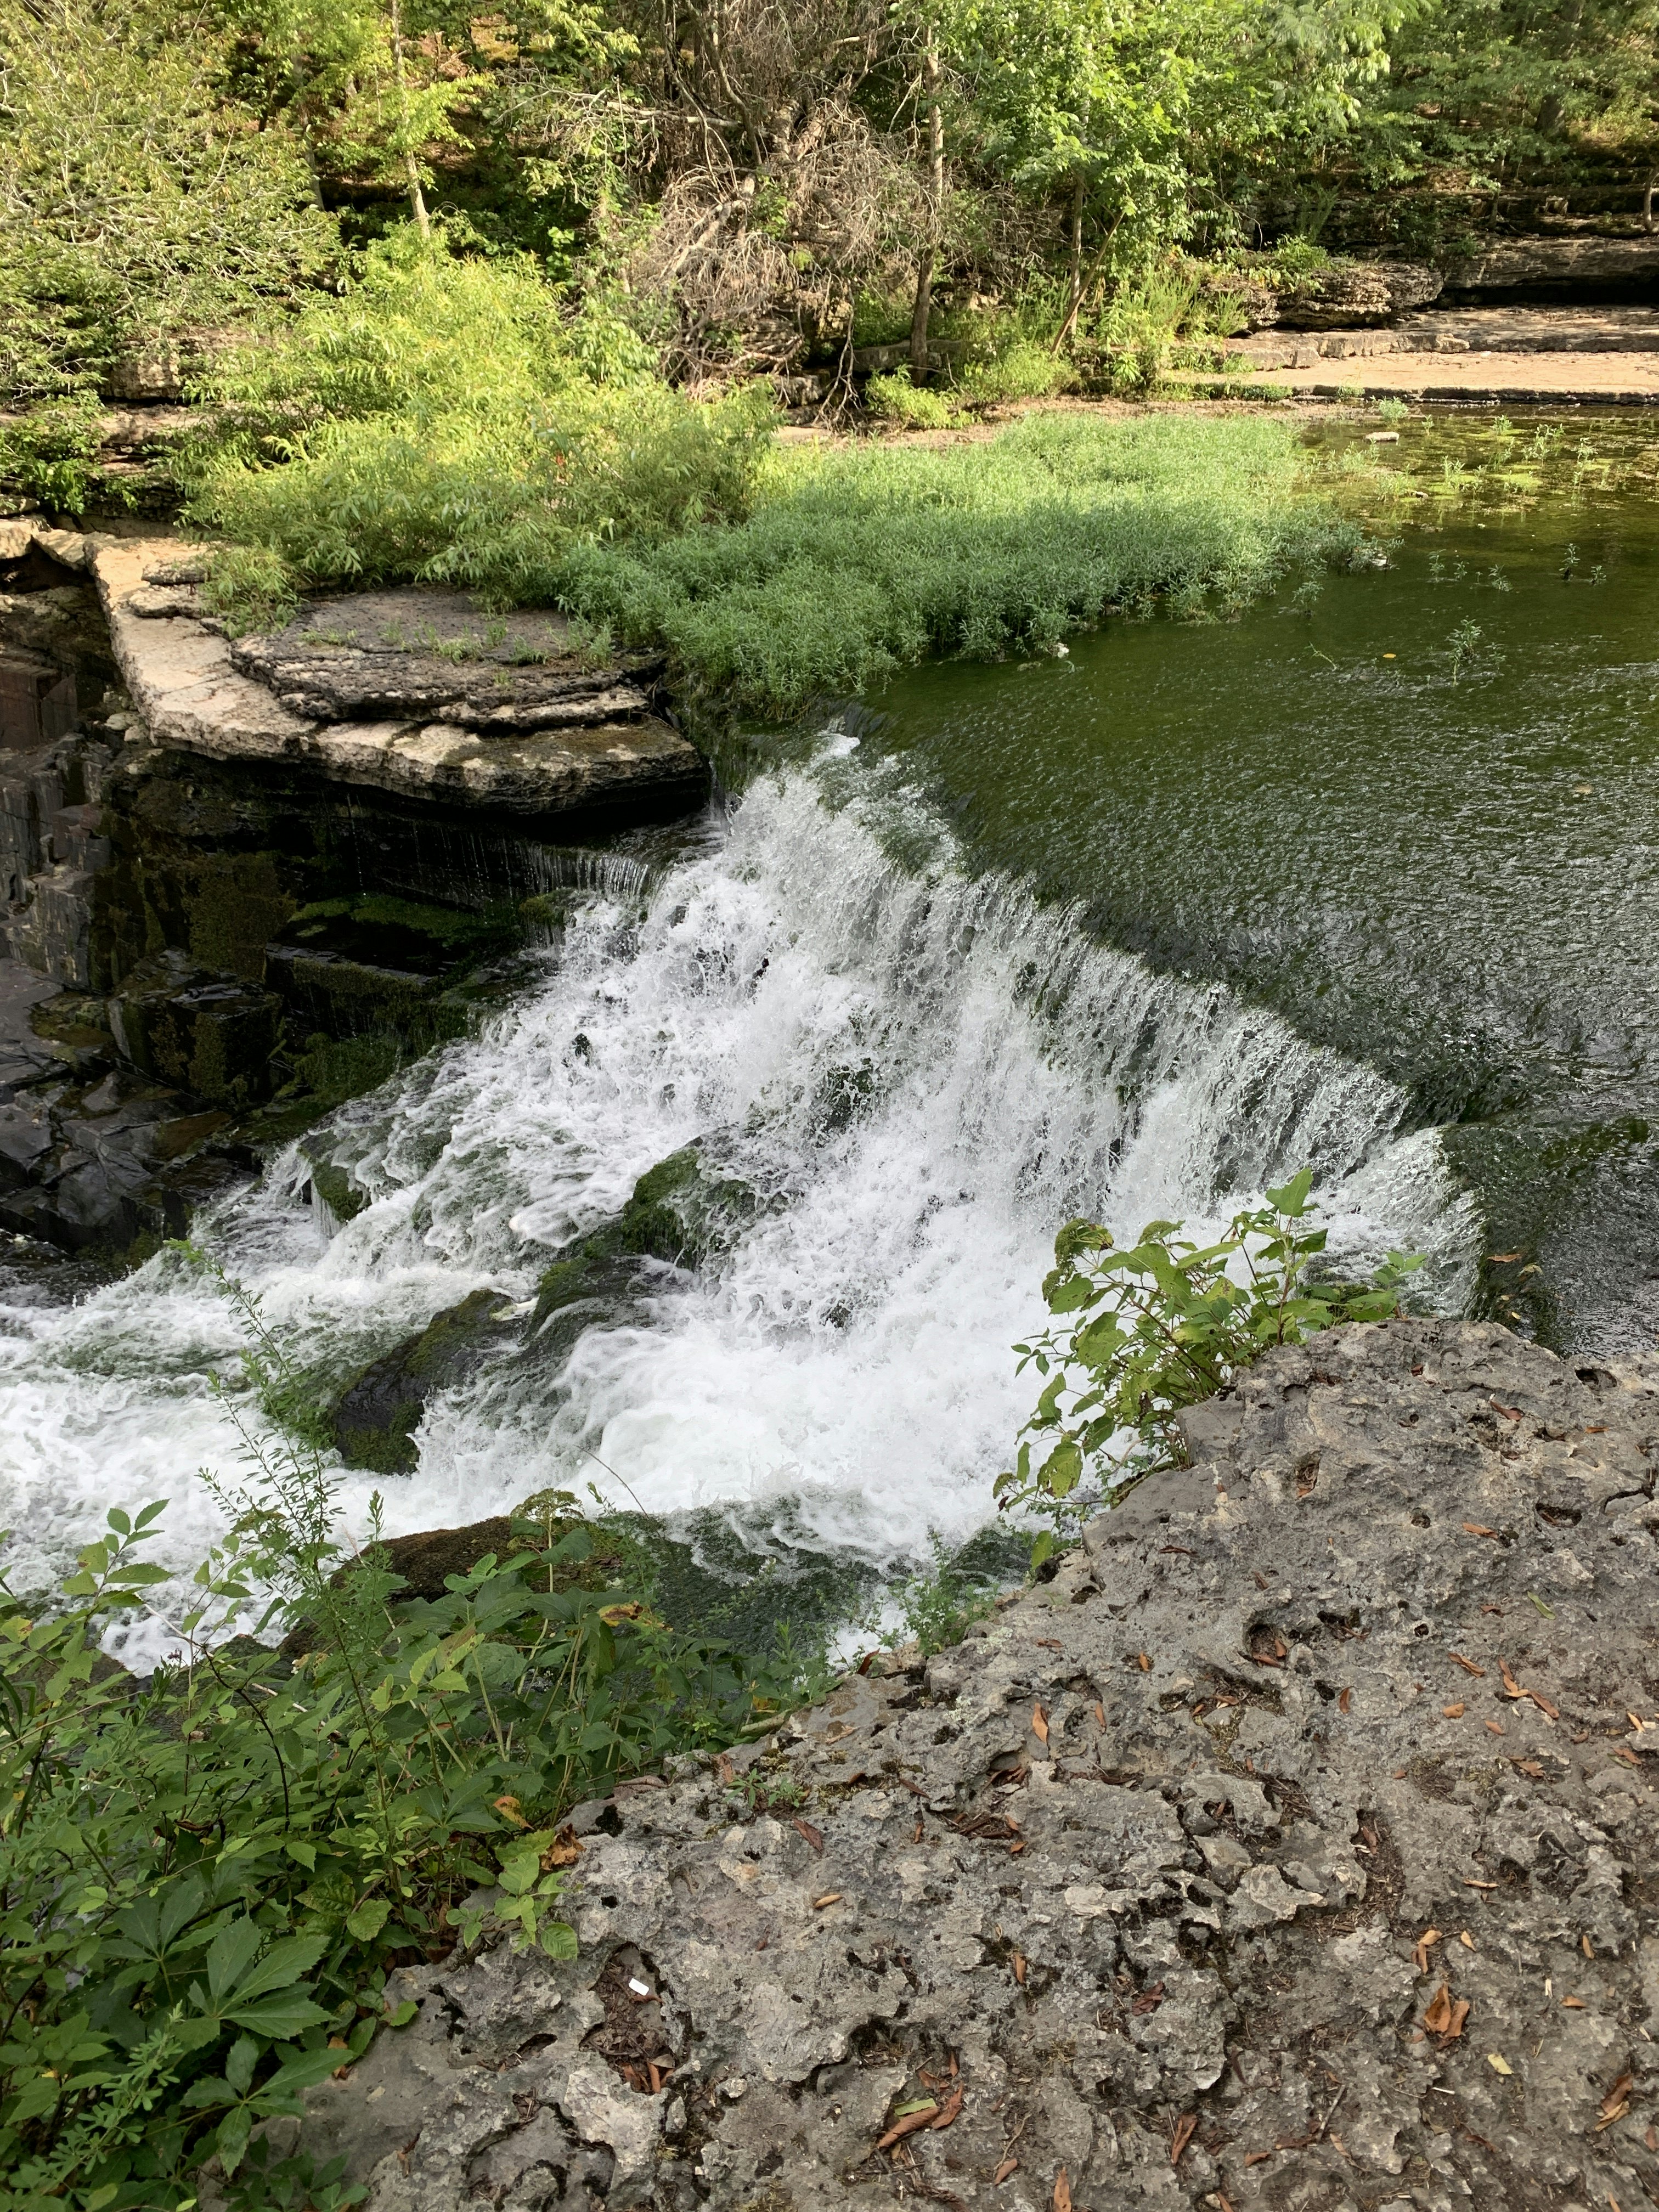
[861, 559]
[457, 422]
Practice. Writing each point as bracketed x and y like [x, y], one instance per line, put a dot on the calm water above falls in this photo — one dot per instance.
[1446, 866]
[1131, 934]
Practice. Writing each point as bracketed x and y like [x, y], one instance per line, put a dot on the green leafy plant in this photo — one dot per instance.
[205, 1878]
[1141, 1332]
[894, 399]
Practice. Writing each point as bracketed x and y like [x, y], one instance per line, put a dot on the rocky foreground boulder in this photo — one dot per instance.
[1294, 1847]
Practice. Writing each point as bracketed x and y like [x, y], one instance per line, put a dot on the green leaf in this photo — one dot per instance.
[239, 2066]
[558, 1941]
[233, 1950]
[278, 2017]
[285, 1962]
[365, 1921]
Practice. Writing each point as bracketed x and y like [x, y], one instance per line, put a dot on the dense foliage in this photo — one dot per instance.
[205, 1878]
[1141, 1332]
[763, 185]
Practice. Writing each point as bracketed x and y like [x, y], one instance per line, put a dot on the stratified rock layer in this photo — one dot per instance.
[1164, 1869]
[404, 692]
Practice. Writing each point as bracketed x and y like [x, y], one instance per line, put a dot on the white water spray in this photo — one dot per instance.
[920, 1074]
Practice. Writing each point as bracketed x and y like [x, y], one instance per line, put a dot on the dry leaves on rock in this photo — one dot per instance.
[1616, 2102]
[1062, 2192]
[1186, 2127]
[1446, 2014]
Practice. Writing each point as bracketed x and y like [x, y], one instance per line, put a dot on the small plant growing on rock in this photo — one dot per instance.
[1141, 1332]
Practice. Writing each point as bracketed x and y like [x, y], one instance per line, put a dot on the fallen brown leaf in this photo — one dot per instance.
[1019, 1968]
[1553, 1712]
[829, 1896]
[1344, 1703]
[908, 2123]
[1629, 1757]
[1467, 1665]
[1062, 2192]
[1040, 1723]
[1008, 2166]
[1255, 2157]
[1149, 2000]
[1454, 1712]
[814, 1836]
[1185, 2128]
[948, 2111]
[1494, 1727]
[564, 1850]
[509, 1809]
[1510, 1413]
[1532, 1766]
[1438, 2018]
[1471, 1882]
[1651, 2139]
[1100, 1715]
[1143, 1660]
[1616, 2102]
[1050, 1643]
[1475, 1528]
[1572, 2004]
[1585, 1941]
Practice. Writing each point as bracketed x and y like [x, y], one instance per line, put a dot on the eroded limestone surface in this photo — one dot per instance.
[337, 695]
[1140, 1880]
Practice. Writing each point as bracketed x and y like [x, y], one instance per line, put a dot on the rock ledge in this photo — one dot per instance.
[1180, 1873]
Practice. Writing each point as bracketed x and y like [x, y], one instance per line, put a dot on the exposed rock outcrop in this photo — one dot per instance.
[1558, 268]
[448, 718]
[1293, 1848]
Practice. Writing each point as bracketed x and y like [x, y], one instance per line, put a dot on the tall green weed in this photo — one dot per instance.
[205, 1879]
[857, 562]
[452, 422]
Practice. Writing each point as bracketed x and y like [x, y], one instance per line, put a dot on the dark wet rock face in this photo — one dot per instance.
[376, 1420]
[1140, 1879]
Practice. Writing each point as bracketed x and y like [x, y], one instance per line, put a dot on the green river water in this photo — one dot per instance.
[1435, 852]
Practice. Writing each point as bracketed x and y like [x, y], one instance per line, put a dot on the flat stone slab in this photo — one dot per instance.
[430, 656]
[566, 740]
[1293, 1850]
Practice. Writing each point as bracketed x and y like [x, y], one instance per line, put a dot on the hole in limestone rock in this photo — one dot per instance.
[1421, 1521]
[1421, 1629]
[1599, 1378]
[1557, 1516]
[634, 2035]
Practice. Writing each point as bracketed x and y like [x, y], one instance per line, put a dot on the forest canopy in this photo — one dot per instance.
[751, 187]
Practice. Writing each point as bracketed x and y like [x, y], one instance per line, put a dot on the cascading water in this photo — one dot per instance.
[918, 1073]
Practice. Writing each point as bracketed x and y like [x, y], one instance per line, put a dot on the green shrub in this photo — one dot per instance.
[139, 202]
[1027, 370]
[453, 422]
[895, 399]
[1140, 1334]
[205, 1879]
[857, 562]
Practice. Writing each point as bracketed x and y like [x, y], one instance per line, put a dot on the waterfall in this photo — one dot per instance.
[917, 1072]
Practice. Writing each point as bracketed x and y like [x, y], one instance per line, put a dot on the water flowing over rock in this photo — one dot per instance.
[1293, 1846]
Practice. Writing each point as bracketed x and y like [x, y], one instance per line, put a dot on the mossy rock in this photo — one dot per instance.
[338, 1192]
[377, 1415]
[425, 1560]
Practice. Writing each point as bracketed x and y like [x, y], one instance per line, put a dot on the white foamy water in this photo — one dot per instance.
[920, 1074]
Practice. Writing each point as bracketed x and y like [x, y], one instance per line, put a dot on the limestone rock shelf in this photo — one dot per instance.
[1294, 1847]
[414, 693]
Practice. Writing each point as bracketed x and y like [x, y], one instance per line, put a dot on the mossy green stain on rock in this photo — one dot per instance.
[656, 1220]
[377, 1416]
[336, 1190]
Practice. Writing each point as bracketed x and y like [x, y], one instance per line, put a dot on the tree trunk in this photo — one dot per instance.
[411, 166]
[924, 303]
[1647, 203]
[1074, 286]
